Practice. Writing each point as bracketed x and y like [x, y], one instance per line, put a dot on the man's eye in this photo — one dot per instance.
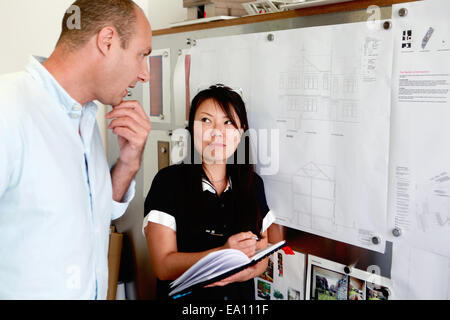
[206, 120]
[229, 122]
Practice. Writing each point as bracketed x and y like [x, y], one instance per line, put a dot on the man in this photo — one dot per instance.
[57, 194]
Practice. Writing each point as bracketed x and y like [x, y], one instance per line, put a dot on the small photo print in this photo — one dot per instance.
[293, 294]
[376, 292]
[280, 265]
[328, 285]
[278, 295]
[263, 290]
[356, 289]
[268, 274]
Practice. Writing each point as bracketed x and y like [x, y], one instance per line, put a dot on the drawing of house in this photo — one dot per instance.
[312, 90]
[314, 197]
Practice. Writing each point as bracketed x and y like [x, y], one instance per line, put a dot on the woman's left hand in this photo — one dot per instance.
[242, 276]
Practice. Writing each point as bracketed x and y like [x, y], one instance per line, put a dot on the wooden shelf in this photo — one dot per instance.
[332, 8]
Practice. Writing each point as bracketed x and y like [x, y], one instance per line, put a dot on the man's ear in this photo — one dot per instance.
[105, 39]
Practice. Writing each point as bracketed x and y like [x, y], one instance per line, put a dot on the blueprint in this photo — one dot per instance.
[319, 107]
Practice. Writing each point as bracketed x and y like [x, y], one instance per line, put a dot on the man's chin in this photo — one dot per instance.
[110, 102]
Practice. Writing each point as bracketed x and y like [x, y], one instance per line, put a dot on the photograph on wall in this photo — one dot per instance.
[268, 274]
[263, 290]
[329, 280]
[376, 292]
[356, 289]
[284, 278]
[328, 285]
[293, 294]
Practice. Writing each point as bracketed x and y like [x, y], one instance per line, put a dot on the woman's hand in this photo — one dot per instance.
[252, 271]
[242, 276]
[244, 241]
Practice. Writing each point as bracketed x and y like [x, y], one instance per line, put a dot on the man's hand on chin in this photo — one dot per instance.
[132, 126]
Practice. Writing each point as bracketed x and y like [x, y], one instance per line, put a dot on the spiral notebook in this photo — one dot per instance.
[217, 266]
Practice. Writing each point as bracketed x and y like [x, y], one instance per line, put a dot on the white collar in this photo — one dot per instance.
[207, 186]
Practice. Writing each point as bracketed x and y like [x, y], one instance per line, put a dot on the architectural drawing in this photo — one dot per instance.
[314, 197]
[328, 96]
[312, 90]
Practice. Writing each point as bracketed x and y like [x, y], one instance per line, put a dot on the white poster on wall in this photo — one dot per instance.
[419, 202]
[419, 195]
[319, 103]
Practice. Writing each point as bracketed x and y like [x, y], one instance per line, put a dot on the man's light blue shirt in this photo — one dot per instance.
[56, 201]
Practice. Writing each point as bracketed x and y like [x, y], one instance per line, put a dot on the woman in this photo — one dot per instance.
[195, 209]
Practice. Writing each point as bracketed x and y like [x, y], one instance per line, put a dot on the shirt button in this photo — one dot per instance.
[74, 116]
[222, 205]
[77, 108]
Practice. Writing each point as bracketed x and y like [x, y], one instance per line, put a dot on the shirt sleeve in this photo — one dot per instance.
[266, 214]
[119, 208]
[159, 205]
[11, 154]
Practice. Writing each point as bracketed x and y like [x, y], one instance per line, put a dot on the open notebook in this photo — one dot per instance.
[217, 266]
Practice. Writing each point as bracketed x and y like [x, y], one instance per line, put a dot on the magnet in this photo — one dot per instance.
[376, 240]
[403, 12]
[397, 232]
[347, 269]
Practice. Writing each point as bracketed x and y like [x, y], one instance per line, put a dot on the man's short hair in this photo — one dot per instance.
[96, 15]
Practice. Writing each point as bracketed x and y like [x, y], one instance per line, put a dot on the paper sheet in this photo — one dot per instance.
[420, 154]
[320, 101]
[419, 274]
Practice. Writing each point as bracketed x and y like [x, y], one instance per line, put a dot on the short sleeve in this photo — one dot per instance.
[159, 205]
[266, 214]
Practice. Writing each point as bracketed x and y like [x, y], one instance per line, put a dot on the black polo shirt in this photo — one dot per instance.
[203, 225]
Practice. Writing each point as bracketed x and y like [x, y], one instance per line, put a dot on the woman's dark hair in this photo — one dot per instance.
[239, 168]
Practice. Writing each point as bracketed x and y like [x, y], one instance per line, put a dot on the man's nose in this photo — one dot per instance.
[144, 76]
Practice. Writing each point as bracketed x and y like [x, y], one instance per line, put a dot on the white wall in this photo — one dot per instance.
[28, 27]
[32, 27]
[164, 12]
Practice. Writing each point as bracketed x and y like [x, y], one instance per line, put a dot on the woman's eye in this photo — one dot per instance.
[229, 122]
[206, 120]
